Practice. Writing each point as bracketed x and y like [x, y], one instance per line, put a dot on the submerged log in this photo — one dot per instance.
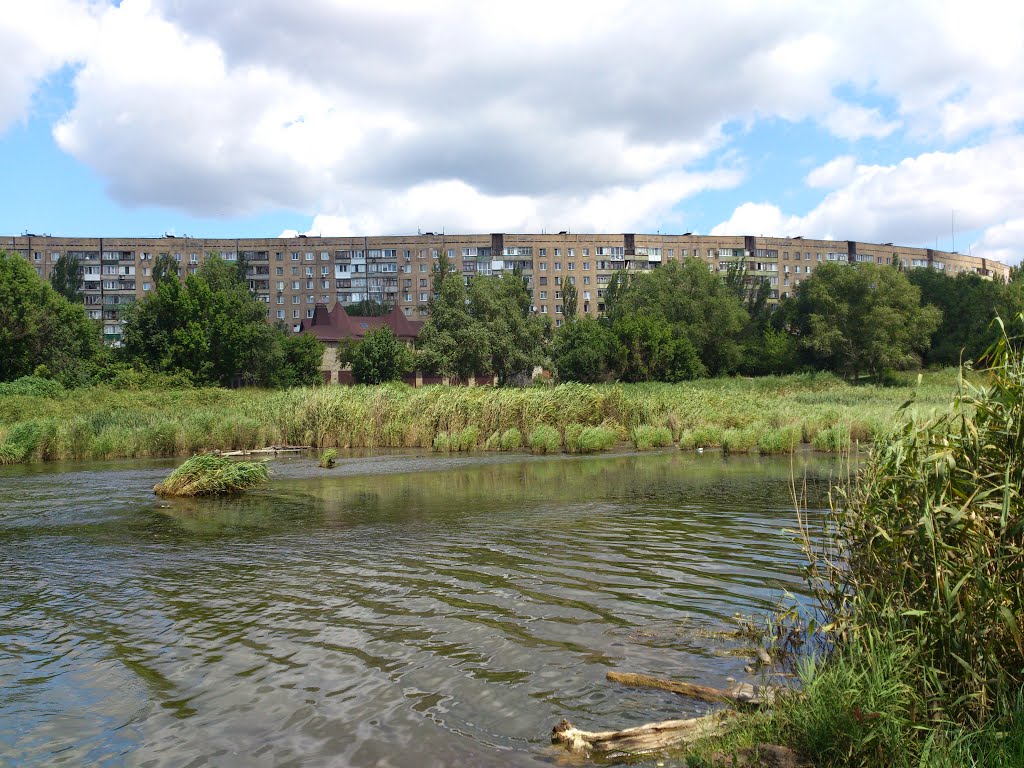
[740, 693]
[270, 449]
[643, 738]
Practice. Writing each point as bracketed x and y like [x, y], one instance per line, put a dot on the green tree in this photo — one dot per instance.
[368, 308]
[570, 301]
[863, 319]
[164, 268]
[39, 327]
[694, 303]
[451, 343]
[66, 278]
[649, 348]
[381, 357]
[581, 351]
[487, 329]
[513, 337]
[214, 330]
[969, 303]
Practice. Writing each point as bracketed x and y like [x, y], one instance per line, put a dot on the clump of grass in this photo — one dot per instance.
[511, 439]
[779, 440]
[739, 440]
[835, 439]
[701, 437]
[211, 474]
[646, 437]
[329, 458]
[594, 439]
[545, 439]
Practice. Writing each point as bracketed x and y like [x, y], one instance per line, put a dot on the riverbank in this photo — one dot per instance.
[767, 415]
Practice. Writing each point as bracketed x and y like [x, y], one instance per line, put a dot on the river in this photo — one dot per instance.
[398, 610]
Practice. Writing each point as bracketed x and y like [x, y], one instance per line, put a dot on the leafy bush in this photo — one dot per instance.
[34, 386]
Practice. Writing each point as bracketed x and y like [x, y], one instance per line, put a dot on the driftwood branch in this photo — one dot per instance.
[740, 693]
[643, 738]
[270, 449]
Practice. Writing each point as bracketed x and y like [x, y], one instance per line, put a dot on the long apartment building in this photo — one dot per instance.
[292, 275]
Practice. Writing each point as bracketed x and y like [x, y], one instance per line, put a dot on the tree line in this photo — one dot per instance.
[678, 322]
[206, 331]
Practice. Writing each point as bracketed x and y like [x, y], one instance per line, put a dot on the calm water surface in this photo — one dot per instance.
[398, 610]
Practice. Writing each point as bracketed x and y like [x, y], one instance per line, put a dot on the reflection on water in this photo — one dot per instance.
[398, 610]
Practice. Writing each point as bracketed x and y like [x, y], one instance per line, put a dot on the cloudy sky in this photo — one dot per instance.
[879, 121]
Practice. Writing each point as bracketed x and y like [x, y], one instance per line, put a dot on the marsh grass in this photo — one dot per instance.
[102, 422]
[917, 591]
[210, 474]
[646, 437]
[329, 458]
[545, 439]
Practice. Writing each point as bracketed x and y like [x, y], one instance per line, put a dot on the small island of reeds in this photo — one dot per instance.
[210, 474]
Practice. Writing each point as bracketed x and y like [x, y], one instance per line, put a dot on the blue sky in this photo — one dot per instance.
[869, 121]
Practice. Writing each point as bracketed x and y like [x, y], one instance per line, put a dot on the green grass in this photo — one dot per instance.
[918, 595]
[545, 439]
[108, 422]
[210, 474]
[646, 437]
[329, 458]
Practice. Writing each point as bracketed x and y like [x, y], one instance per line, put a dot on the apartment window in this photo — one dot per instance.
[558, 311]
[278, 270]
[309, 255]
[558, 251]
[295, 285]
[325, 283]
[296, 299]
[785, 255]
[423, 282]
[797, 269]
[586, 251]
[544, 309]
[543, 295]
[586, 279]
[309, 313]
[295, 314]
[295, 257]
[324, 256]
[423, 267]
[280, 300]
[586, 265]
[558, 266]
[278, 256]
[309, 285]
[543, 281]
[280, 314]
[309, 271]
[280, 285]
[543, 266]
[325, 271]
[145, 286]
[807, 256]
[423, 297]
[572, 252]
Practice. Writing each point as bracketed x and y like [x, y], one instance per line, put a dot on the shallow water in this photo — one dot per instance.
[398, 610]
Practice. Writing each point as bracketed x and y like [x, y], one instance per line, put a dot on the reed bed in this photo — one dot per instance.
[740, 414]
[917, 645]
[209, 474]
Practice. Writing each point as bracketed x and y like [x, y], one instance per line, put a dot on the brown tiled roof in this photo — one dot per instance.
[336, 324]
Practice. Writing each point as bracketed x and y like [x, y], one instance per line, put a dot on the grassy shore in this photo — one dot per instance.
[767, 415]
[919, 652]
